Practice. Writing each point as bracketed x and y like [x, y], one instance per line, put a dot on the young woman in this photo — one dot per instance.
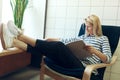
[55, 49]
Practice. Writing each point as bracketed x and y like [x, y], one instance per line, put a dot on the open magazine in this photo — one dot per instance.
[78, 49]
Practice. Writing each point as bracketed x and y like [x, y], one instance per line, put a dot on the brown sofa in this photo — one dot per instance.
[12, 60]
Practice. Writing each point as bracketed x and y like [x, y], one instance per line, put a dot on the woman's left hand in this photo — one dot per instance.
[91, 49]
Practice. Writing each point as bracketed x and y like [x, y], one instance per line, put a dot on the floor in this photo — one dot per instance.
[28, 73]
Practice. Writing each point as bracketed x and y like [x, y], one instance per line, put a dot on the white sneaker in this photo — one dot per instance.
[6, 37]
[13, 28]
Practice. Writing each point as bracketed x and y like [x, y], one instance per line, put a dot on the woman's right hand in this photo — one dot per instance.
[91, 49]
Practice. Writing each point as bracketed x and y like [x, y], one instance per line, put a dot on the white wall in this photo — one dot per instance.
[65, 16]
[0, 10]
[6, 11]
[33, 24]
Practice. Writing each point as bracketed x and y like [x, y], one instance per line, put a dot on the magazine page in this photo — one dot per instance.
[78, 49]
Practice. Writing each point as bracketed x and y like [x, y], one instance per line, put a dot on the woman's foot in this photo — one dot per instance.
[13, 28]
[6, 37]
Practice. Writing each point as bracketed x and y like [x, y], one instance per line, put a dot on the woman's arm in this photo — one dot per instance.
[102, 56]
[105, 52]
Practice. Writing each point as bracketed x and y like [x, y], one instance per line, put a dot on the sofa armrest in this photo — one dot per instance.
[90, 68]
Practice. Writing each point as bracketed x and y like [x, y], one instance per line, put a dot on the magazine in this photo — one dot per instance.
[78, 49]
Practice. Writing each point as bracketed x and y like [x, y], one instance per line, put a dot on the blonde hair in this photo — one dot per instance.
[95, 21]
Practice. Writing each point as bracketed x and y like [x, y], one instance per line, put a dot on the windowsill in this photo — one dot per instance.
[10, 51]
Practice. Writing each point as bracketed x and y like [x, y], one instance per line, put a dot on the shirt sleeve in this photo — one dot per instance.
[106, 48]
[69, 40]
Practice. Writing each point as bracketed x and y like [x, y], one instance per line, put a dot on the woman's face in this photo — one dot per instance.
[89, 28]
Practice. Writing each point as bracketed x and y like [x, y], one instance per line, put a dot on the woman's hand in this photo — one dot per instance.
[91, 49]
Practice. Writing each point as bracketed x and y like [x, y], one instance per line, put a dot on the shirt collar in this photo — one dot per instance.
[91, 35]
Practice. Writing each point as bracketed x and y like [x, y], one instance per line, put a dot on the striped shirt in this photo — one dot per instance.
[100, 43]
